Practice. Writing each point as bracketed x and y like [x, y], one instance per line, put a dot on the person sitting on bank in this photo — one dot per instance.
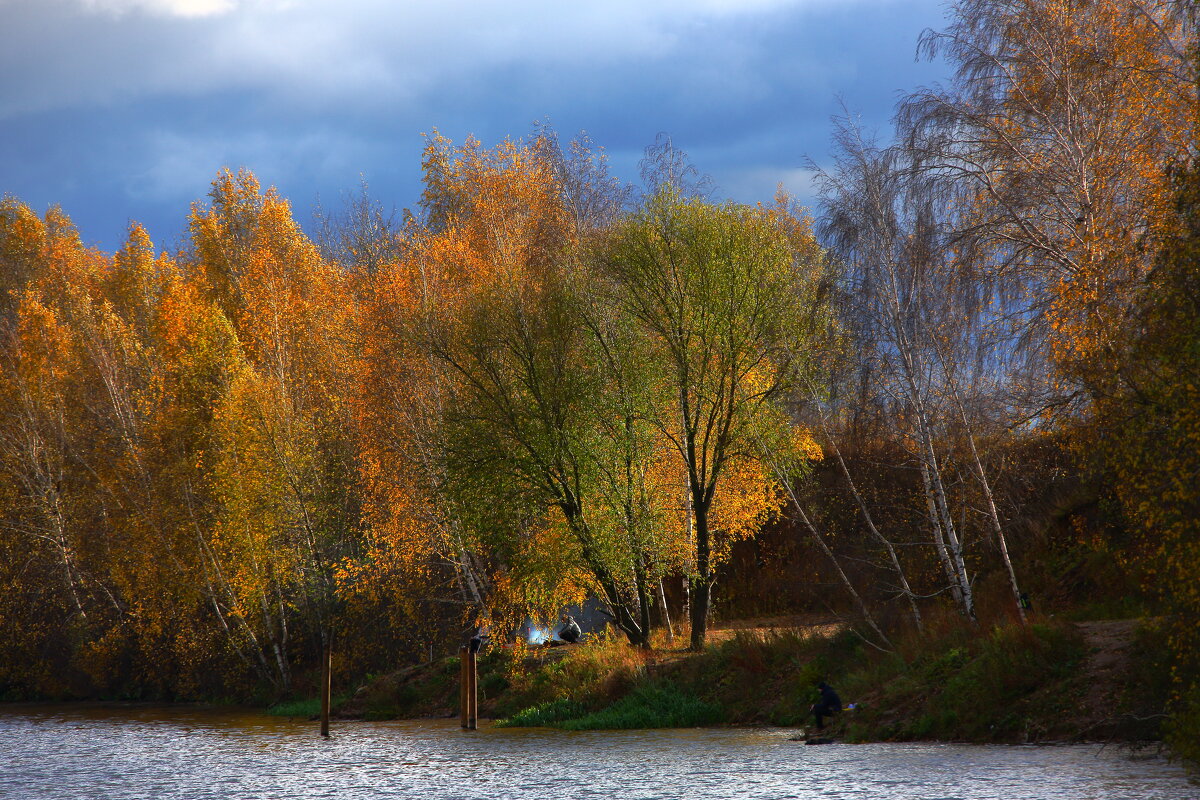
[570, 632]
[827, 705]
[477, 641]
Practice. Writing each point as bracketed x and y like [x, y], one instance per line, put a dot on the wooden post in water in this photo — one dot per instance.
[326, 684]
[472, 692]
[463, 682]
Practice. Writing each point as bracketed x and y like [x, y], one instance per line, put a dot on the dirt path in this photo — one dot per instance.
[1109, 671]
[810, 624]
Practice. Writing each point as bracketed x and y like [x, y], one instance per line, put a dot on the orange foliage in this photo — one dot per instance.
[1071, 163]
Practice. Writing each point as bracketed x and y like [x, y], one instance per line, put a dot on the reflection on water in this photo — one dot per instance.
[133, 753]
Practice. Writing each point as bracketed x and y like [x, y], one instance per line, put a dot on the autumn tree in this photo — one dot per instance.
[54, 448]
[925, 333]
[1052, 142]
[1150, 435]
[526, 432]
[284, 465]
[85, 445]
[722, 295]
[362, 237]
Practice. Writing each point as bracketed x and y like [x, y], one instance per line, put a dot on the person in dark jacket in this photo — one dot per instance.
[827, 705]
[479, 639]
[570, 632]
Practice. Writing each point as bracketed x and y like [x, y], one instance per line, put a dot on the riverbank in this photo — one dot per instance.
[1051, 681]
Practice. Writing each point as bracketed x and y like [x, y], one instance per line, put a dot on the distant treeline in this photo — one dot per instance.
[544, 384]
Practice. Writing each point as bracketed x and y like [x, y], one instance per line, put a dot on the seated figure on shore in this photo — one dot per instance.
[570, 632]
[827, 705]
[479, 638]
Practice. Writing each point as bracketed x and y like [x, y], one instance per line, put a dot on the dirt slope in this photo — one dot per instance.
[1115, 702]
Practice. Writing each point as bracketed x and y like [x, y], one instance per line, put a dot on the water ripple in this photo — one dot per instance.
[123, 753]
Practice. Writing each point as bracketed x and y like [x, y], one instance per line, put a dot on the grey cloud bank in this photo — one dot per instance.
[125, 109]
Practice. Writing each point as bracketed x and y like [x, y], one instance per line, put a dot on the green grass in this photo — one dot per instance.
[544, 715]
[1004, 684]
[303, 707]
[593, 675]
[649, 705]
[307, 707]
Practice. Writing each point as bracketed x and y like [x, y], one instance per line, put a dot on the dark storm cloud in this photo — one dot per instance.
[121, 109]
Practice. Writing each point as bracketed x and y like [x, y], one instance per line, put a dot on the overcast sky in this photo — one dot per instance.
[126, 109]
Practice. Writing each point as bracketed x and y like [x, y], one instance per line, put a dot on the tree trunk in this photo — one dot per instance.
[701, 584]
[665, 613]
[891, 550]
[994, 516]
[643, 593]
[701, 594]
[939, 541]
[936, 495]
[816, 536]
[636, 634]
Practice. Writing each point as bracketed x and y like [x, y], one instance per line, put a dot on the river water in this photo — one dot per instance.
[137, 753]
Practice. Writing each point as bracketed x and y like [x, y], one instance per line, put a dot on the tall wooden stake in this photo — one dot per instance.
[463, 682]
[326, 685]
[472, 693]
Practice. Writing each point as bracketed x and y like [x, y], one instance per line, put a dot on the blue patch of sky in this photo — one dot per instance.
[748, 96]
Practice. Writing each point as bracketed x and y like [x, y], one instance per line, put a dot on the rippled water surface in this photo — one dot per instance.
[142, 753]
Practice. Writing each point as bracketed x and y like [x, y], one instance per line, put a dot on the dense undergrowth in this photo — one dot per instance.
[650, 704]
[1009, 684]
[998, 684]
[309, 707]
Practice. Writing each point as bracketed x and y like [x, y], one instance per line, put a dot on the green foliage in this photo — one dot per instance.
[726, 299]
[544, 715]
[593, 674]
[1154, 446]
[649, 705]
[1011, 684]
[769, 678]
[492, 684]
[1008, 684]
[306, 708]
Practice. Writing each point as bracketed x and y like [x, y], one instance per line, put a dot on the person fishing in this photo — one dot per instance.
[827, 705]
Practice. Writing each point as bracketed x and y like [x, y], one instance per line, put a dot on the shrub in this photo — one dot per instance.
[544, 715]
[653, 705]
[306, 708]
[648, 705]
